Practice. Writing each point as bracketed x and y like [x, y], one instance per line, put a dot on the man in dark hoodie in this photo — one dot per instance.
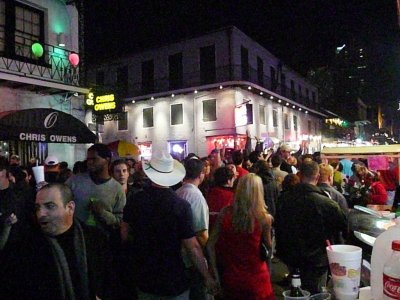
[305, 219]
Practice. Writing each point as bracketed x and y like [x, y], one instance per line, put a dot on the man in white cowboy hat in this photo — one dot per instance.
[155, 226]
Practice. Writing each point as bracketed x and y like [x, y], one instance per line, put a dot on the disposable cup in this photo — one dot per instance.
[345, 266]
[286, 295]
[38, 172]
[321, 296]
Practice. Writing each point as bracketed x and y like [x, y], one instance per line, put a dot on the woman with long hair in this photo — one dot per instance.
[234, 244]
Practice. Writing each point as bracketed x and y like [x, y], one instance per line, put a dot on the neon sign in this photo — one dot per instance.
[101, 103]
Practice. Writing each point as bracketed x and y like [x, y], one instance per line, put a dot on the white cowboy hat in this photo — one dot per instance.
[163, 170]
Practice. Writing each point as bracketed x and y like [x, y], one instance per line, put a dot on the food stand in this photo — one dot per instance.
[365, 224]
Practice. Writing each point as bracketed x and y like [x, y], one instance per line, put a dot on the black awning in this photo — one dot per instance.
[44, 125]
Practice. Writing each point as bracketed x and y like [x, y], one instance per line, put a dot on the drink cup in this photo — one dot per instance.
[38, 172]
[306, 296]
[321, 296]
[345, 266]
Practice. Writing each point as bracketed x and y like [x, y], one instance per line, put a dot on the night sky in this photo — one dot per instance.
[302, 33]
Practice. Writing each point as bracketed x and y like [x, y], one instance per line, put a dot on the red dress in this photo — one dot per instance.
[243, 274]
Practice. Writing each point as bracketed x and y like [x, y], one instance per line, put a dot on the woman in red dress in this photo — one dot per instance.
[234, 244]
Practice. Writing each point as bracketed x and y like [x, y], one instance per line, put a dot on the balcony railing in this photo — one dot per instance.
[53, 65]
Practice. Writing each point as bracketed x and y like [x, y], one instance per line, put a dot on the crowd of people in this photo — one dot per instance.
[169, 229]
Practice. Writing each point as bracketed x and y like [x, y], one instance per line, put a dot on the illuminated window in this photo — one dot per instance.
[148, 117]
[275, 118]
[209, 110]
[176, 114]
[262, 114]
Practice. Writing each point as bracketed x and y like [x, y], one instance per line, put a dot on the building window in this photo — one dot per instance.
[210, 110]
[292, 90]
[2, 24]
[123, 121]
[309, 126]
[283, 84]
[24, 25]
[286, 116]
[148, 117]
[244, 57]
[122, 81]
[273, 78]
[148, 76]
[28, 28]
[295, 123]
[314, 99]
[262, 114]
[100, 78]
[207, 64]
[176, 114]
[260, 71]
[175, 71]
[275, 118]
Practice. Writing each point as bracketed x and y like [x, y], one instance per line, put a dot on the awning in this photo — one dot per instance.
[44, 125]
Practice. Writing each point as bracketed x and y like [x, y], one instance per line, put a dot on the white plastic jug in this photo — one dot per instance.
[380, 253]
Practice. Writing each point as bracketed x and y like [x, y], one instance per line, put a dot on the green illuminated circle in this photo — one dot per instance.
[37, 49]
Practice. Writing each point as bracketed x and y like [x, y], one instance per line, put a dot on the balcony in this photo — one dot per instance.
[51, 70]
[222, 74]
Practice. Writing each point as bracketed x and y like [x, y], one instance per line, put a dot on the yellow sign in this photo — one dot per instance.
[90, 99]
[100, 103]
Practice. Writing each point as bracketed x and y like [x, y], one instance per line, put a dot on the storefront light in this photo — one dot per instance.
[195, 91]
[271, 97]
[279, 101]
[249, 88]
[261, 93]
[177, 149]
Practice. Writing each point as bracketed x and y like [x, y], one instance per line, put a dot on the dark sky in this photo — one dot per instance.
[302, 33]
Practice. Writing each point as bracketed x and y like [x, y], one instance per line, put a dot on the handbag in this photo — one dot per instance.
[264, 252]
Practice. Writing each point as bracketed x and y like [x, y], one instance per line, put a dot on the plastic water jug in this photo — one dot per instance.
[380, 252]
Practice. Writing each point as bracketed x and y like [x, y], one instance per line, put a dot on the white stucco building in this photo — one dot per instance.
[208, 89]
[41, 102]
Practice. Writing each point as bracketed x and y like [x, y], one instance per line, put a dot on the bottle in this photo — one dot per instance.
[91, 220]
[295, 287]
[391, 274]
[380, 252]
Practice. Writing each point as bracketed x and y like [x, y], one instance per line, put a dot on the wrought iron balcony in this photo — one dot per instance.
[53, 65]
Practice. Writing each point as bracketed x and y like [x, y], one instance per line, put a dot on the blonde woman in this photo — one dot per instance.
[234, 244]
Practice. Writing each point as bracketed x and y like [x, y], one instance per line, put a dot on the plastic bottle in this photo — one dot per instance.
[391, 274]
[380, 252]
[295, 287]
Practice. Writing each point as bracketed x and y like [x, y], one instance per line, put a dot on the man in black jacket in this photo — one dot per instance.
[61, 260]
[305, 219]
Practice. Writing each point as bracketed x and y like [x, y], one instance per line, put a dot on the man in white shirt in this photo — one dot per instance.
[191, 193]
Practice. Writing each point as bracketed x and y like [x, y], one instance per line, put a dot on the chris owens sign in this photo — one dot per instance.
[49, 122]
[101, 103]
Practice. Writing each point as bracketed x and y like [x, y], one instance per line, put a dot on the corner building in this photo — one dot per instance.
[205, 89]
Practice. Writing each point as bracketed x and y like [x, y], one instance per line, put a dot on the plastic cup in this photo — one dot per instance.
[38, 172]
[286, 295]
[321, 296]
[345, 266]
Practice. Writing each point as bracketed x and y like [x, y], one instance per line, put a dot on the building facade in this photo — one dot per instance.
[205, 90]
[39, 81]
